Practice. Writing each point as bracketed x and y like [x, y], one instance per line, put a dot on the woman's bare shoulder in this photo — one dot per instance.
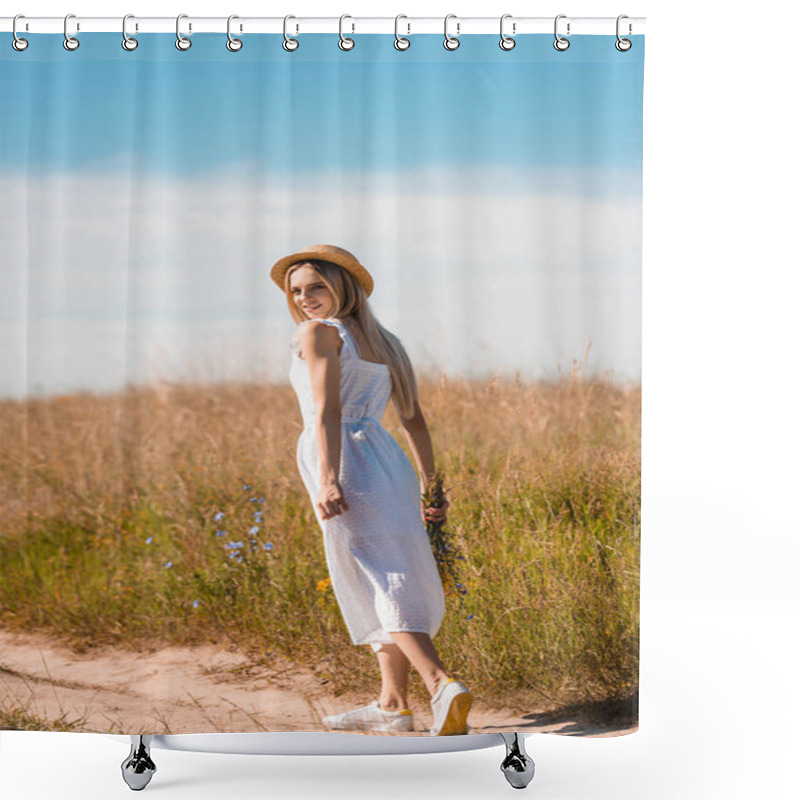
[315, 331]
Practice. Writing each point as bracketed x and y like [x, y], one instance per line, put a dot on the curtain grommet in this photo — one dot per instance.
[18, 43]
[290, 44]
[623, 45]
[181, 42]
[70, 42]
[233, 44]
[451, 42]
[561, 43]
[400, 42]
[345, 43]
[129, 43]
[507, 42]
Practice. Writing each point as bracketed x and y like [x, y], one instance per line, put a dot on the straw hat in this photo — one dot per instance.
[324, 252]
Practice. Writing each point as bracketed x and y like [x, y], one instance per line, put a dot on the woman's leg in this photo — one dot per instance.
[419, 650]
[394, 672]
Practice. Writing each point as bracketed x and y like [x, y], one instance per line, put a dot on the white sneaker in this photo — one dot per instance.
[372, 718]
[450, 706]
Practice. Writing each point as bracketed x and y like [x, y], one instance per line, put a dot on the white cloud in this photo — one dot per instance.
[502, 269]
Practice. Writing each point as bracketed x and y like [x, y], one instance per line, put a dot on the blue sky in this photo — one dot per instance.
[495, 197]
[283, 111]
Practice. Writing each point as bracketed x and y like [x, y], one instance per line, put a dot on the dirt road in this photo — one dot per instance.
[200, 690]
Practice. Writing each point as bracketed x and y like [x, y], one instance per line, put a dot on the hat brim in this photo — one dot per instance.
[279, 268]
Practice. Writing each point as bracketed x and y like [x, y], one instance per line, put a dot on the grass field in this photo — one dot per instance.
[111, 530]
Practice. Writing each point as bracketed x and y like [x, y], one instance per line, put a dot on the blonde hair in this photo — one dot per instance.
[350, 299]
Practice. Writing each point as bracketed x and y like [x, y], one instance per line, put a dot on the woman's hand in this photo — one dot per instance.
[432, 514]
[330, 500]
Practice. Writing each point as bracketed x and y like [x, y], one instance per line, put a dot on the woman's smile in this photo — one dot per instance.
[311, 295]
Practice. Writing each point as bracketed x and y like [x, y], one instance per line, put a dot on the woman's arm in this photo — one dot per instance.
[320, 346]
[416, 431]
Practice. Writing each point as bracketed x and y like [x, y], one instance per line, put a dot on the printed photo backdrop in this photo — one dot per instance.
[163, 570]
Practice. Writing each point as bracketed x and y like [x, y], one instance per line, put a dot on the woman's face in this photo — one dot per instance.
[310, 293]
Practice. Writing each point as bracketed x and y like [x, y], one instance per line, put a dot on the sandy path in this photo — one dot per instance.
[197, 690]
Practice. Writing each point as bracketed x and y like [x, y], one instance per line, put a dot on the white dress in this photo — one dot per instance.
[379, 557]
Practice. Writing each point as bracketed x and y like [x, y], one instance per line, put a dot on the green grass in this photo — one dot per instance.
[544, 484]
[18, 718]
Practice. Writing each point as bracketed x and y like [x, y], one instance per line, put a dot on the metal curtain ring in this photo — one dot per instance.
[70, 42]
[181, 42]
[289, 43]
[451, 42]
[623, 45]
[560, 43]
[506, 42]
[233, 44]
[400, 42]
[128, 42]
[344, 42]
[18, 42]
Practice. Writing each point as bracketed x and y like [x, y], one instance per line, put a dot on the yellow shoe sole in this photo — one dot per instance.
[456, 720]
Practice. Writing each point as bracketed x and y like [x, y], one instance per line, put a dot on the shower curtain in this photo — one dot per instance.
[166, 564]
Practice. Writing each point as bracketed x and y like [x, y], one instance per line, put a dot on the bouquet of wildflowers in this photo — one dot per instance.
[442, 541]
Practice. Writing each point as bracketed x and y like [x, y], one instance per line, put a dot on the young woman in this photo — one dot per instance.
[345, 368]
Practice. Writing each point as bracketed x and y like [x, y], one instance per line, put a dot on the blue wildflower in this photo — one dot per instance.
[221, 533]
[196, 603]
[268, 546]
[168, 565]
[247, 487]
[470, 616]
[218, 515]
[148, 540]
[233, 545]
[253, 530]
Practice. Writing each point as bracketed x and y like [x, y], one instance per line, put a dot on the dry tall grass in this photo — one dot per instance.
[101, 494]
